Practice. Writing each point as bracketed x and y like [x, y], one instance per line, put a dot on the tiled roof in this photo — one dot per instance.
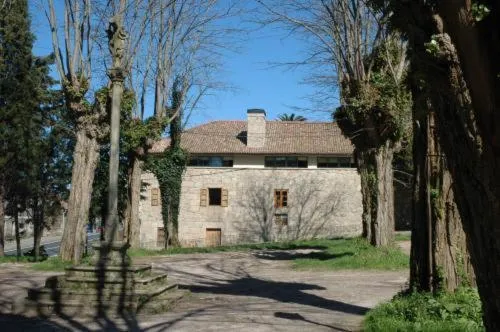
[282, 137]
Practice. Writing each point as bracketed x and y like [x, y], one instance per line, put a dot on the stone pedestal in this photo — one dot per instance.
[109, 286]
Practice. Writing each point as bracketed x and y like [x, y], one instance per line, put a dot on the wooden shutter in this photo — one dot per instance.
[203, 196]
[277, 198]
[155, 196]
[224, 198]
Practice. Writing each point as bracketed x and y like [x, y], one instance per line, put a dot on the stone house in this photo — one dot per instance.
[259, 180]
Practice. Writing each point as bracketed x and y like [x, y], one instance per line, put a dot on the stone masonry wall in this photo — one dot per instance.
[321, 203]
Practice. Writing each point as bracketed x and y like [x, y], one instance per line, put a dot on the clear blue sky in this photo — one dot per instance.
[257, 83]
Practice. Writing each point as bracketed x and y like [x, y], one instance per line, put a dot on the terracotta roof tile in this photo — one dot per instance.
[282, 137]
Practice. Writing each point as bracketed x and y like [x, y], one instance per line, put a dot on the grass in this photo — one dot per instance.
[403, 236]
[13, 259]
[333, 254]
[354, 253]
[51, 264]
[459, 311]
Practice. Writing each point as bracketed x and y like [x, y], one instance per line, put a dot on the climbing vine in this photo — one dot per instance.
[168, 169]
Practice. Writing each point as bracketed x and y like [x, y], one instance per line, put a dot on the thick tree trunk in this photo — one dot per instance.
[472, 141]
[377, 190]
[365, 168]
[383, 225]
[134, 198]
[461, 79]
[85, 158]
[2, 220]
[439, 255]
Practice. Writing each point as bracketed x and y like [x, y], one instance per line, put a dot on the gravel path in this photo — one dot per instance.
[250, 291]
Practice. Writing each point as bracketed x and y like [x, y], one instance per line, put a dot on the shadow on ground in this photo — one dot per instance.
[286, 292]
[292, 255]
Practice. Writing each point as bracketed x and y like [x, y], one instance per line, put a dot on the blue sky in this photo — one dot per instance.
[257, 83]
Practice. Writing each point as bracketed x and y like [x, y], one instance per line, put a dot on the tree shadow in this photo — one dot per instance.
[285, 292]
[291, 255]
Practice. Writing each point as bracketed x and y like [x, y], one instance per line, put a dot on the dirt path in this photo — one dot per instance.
[254, 291]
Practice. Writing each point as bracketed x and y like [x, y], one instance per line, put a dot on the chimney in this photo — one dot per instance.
[256, 128]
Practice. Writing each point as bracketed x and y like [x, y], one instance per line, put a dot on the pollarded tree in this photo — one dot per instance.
[74, 67]
[352, 50]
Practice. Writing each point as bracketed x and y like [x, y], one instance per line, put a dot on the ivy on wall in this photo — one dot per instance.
[168, 169]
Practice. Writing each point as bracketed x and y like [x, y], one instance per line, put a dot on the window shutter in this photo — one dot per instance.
[224, 198]
[155, 193]
[203, 196]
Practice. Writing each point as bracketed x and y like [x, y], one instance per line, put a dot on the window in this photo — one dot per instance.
[334, 162]
[211, 161]
[285, 161]
[281, 219]
[214, 197]
[155, 196]
[280, 198]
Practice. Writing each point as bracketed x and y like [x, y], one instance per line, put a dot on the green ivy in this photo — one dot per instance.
[168, 169]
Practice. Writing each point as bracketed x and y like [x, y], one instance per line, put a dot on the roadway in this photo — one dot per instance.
[51, 244]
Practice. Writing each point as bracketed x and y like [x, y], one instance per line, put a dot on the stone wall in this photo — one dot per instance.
[321, 203]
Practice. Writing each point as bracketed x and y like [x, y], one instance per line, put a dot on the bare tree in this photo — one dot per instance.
[74, 66]
[352, 50]
[182, 43]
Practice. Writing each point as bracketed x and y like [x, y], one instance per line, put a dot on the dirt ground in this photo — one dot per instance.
[251, 291]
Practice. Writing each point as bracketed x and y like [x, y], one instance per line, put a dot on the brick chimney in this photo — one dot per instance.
[256, 128]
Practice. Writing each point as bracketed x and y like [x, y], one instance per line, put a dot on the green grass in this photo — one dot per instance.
[141, 252]
[333, 254]
[51, 264]
[403, 236]
[13, 259]
[354, 253]
[460, 311]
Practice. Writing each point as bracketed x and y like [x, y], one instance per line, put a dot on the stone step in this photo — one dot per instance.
[162, 303]
[85, 295]
[73, 308]
[112, 272]
[81, 304]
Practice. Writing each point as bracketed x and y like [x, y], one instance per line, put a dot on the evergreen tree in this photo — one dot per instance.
[17, 102]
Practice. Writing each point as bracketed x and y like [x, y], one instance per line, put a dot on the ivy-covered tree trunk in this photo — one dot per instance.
[377, 191]
[458, 48]
[85, 159]
[439, 256]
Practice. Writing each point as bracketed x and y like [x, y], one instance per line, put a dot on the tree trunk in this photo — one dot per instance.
[461, 79]
[18, 236]
[134, 198]
[38, 224]
[2, 219]
[383, 225]
[439, 255]
[367, 176]
[85, 160]
[472, 141]
[377, 190]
